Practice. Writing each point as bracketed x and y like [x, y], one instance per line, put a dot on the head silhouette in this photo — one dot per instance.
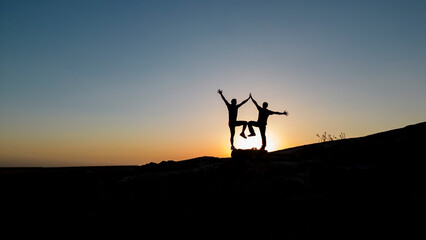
[234, 101]
[265, 105]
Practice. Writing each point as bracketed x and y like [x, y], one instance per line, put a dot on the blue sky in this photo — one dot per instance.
[145, 73]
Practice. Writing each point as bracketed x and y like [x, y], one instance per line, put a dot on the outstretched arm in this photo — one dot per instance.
[243, 102]
[254, 101]
[224, 99]
[280, 113]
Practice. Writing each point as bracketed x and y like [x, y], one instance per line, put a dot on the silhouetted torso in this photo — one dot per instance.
[263, 116]
[233, 112]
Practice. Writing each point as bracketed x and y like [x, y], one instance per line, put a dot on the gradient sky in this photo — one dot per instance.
[130, 82]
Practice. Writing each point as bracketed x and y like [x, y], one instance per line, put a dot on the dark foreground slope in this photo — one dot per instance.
[371, 187]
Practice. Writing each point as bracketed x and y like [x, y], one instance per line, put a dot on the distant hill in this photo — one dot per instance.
[371, 187]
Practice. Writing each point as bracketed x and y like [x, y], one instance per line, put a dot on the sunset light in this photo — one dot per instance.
[113, 83]
[241, 119]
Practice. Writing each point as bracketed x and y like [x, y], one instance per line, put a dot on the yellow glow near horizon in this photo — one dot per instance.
[272, 143]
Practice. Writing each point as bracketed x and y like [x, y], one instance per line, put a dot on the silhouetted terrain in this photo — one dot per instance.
[371, 187]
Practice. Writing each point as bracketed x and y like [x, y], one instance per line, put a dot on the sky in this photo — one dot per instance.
[93, 83]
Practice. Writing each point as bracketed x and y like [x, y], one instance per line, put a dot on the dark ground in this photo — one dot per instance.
[372, 187]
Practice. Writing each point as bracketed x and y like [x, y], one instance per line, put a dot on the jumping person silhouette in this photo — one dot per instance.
[233, 112]
[262, 121]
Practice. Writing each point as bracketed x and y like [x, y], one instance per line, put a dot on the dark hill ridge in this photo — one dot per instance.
[369, 187]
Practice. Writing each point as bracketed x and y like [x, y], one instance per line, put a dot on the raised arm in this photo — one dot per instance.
[254, 101]
[224, 99]
[243, 102]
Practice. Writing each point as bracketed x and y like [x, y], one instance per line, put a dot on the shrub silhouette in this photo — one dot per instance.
[324, 137]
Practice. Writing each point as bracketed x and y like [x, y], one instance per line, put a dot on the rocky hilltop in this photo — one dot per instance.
[370, 187]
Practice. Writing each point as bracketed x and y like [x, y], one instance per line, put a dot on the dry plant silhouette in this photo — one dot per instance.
[328, 137]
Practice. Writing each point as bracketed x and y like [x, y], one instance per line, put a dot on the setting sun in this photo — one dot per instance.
[256, 142]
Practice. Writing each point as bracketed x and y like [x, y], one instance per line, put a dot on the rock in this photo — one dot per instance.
[248, 154]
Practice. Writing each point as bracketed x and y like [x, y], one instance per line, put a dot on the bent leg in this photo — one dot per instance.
[244, 124]
[250, 126]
